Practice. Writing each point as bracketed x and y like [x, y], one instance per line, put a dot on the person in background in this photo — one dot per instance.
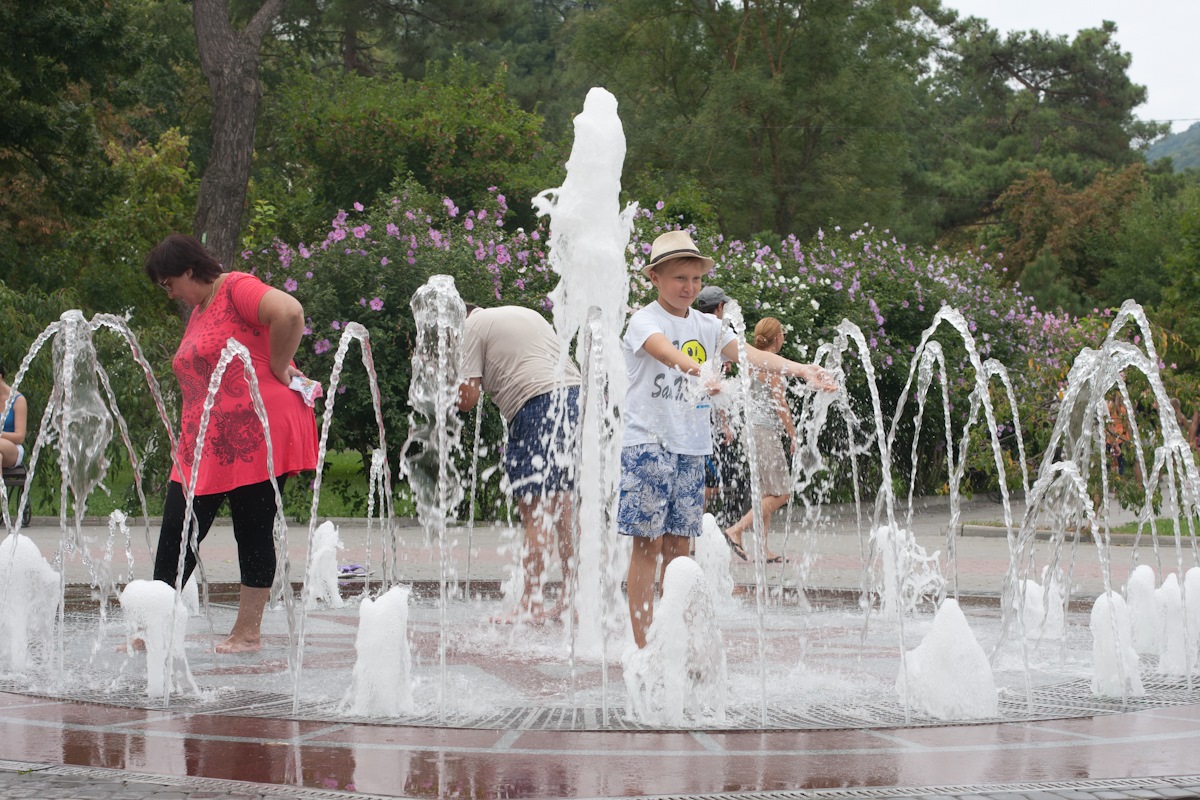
[1188, 426]
[12, 432]
[769, 421]
[233, 466]
[514, 354]
[724, 490]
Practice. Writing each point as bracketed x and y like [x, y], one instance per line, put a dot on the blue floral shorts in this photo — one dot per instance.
[539, 456]
[661, 492]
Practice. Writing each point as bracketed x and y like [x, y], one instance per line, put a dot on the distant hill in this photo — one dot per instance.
[1183, 149]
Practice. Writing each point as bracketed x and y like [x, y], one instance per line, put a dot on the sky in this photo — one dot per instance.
[1161, 36]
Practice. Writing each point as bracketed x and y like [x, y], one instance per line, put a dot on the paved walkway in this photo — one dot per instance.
[833, 543]
[53, 748]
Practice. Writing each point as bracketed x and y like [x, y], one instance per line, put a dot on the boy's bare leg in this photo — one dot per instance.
[246, 636]
[643, 564]
[672, 548]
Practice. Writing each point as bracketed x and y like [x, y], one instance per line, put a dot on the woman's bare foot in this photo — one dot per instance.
[132, 646]
[735, 545]
[519, 616]
[239, 645]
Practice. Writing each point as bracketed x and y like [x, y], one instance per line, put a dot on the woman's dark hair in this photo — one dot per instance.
[3, 374]
[176, 254]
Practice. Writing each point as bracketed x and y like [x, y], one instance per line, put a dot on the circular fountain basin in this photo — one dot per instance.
[821, 669]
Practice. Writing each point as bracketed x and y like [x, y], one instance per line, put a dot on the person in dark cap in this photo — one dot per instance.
[711, 300]
[721, 476]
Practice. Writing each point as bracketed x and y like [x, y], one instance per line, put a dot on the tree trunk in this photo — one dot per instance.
[229, 60]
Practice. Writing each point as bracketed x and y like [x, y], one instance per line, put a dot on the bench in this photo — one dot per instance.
[14, 477]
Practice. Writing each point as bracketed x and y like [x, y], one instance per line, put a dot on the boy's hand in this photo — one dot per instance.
[712, 384]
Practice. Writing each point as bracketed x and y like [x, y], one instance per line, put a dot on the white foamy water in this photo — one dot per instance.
[947, 675]
[1143, 616]
[381, 685]
[910, 576]
[29, 595]
[1042, 612]
[321, 579]
[1115, 670]
[155, 615]
[589, 234]
[712, 554]
[1168, 607]
[680, 675]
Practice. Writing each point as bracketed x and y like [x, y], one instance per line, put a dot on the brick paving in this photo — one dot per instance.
[62, 750]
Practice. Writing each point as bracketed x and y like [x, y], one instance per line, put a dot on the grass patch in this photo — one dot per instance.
[1165, 525]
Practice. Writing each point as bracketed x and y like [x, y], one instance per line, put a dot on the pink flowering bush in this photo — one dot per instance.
[371, 260]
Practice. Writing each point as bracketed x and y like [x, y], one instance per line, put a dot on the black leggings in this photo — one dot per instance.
[253, 511]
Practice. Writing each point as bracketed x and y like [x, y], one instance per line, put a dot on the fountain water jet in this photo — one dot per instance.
[156, 616]
[589, 233]
[427, 457]
[679, 677]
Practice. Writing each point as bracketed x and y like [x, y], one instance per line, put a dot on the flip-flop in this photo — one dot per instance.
[737, 549]
[351, 571]
[776, 560]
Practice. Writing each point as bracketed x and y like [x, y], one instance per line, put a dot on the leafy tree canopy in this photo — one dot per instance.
[1003, 106]
[342, 139]
[61, 70]
[381, 37]
[790, 114]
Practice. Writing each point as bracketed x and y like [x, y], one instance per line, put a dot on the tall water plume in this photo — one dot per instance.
[589, 236]
[435, 429]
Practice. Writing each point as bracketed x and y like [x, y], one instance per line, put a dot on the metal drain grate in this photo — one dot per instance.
[971, 790]
[189, 784]
[129, 694]
[1059, 701]
[1063, 701]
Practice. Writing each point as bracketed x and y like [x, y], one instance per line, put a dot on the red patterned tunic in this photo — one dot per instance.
[235, 450]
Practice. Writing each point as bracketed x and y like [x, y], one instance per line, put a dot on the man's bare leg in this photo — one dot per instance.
[246, 636]
[564, 521]
[538, 520]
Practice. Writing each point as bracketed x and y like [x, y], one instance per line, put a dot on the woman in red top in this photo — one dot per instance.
[233, 464]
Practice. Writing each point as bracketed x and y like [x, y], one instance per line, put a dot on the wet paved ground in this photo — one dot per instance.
[52, 748]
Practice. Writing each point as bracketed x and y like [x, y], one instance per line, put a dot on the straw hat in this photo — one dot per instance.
[672, 245]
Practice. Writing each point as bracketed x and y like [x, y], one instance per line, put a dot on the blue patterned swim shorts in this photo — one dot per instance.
[661, 492]
[539, 457]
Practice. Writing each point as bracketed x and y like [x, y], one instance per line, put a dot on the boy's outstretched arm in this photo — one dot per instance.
[815, 376]
[661, 348]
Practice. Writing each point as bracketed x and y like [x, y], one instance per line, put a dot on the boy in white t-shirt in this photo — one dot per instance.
[667, 432]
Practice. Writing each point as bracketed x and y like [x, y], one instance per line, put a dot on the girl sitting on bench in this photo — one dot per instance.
[12, 437]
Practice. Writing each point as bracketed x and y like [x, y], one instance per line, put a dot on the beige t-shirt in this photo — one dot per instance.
[515, 354]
